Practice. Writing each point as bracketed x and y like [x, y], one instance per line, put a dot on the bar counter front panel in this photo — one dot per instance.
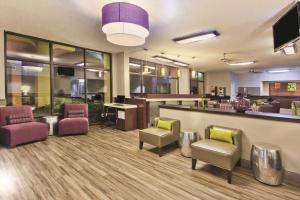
[283, 131]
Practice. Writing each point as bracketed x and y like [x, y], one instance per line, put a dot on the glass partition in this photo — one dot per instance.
[28, 83]
[77, 75]
[98, 82]
[149, 77]
[27, 48]
[197, 82]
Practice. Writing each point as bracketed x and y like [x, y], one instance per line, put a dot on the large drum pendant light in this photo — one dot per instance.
[125, 24]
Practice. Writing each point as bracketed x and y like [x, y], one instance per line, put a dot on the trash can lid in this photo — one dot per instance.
[189, 131]
[266, 146]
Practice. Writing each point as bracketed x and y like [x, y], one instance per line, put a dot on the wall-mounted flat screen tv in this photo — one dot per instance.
[286, 29]
[65, 71]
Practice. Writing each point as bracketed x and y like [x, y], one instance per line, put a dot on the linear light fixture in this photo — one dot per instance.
[240, 63]
[196, 37]
[169, 60]
[289, 49]
[163, 59]
[134, 64]
[181, 64]
[94, 70]
[279, 71]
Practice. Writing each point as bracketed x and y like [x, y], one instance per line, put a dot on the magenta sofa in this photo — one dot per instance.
[75, 120]
[17, 126]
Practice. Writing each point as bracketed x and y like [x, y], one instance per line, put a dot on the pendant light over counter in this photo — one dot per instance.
[125, 24]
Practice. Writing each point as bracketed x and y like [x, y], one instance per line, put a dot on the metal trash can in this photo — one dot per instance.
[266, 163]
[187, 137]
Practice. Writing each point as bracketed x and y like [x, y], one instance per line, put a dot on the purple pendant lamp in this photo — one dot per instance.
[125, 24]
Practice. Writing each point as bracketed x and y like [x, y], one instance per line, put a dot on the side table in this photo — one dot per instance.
[266, 163]
[52, 122]
[187, 137]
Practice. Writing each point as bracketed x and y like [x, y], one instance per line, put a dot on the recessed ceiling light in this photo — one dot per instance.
[240, 63]
[196, 37]
[279, 71]
[134, 64]
[163, 59]
[181, 64]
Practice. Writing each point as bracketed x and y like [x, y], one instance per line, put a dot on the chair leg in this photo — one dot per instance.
[141, 144]
[177, 143]
[159, 152]
[194, 162]
[229, 175]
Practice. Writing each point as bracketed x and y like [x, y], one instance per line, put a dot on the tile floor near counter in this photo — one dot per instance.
[106, 164]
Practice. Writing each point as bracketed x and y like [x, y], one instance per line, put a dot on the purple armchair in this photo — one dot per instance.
[75, 120]
[17, 126]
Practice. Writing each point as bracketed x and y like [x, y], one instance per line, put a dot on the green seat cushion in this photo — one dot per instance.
[164, 124]
[221, 135]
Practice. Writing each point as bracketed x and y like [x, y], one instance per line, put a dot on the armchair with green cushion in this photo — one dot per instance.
[221, 148]
[164, 132]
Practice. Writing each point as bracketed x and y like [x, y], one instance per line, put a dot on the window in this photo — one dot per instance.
[197, 83]
[68, 76]
[98, 82]
[28, 73]
[148, 77]
[77, 75]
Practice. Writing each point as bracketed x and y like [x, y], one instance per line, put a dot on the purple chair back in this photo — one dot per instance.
[276, 106]
[5, 112]
[266, 108]
[69, 107]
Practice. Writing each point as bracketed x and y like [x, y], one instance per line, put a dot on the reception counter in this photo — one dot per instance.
[282, 130]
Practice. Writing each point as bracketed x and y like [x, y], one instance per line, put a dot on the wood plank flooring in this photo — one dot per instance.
[106, 164]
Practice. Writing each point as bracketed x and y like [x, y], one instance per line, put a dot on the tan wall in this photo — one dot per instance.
[284, 134]
[219, 79]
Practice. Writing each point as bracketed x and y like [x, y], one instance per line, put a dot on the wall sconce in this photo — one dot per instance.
[25, 89]
[100, 74]
[178, 72]
[146, 69]
[163, 71]
[193, 74]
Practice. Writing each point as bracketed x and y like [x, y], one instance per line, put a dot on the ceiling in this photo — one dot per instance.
[245, 28]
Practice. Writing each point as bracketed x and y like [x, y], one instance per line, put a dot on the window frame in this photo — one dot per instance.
[51, 63]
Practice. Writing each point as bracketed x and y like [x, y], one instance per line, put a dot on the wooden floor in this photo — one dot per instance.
[106, 164]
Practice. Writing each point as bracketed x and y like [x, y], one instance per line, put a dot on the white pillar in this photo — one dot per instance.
[184, 81]
[120, 74]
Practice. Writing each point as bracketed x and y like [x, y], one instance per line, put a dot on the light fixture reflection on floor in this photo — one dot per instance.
[125, 24]
[7, 183]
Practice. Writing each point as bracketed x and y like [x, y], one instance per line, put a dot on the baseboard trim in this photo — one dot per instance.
[288, 176]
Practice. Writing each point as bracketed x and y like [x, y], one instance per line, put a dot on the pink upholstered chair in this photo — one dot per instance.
[75, 120]
[17, 126]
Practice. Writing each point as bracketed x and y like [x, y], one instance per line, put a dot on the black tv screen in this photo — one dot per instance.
[286, 29]
[65, 71]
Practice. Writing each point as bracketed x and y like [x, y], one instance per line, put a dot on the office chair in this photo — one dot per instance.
[108, 117]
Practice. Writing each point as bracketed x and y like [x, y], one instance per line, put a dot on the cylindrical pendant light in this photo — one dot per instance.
[125, 24]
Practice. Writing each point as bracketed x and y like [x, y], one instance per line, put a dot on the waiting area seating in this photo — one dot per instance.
[164, 132]
[18, 126]
[221, 148]
[75, 120]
